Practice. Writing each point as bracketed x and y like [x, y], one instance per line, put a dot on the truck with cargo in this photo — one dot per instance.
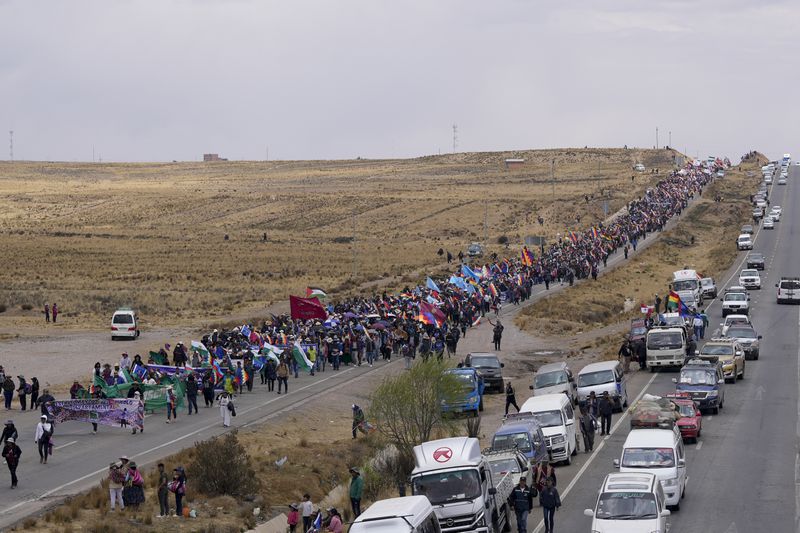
[457, 479]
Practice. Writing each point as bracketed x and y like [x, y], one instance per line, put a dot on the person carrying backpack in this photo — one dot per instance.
[44, 432]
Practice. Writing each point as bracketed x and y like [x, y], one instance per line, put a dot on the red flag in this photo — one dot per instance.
[306, 308]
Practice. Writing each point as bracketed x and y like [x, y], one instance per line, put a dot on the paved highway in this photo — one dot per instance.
[744, 472]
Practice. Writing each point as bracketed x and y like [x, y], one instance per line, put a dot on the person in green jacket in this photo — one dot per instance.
[356, 489]
[358, 420]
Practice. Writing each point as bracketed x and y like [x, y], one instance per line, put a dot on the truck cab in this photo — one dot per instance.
[704, 382]
[666, 347]
[469, 398]
[457, 480]
[688, 280]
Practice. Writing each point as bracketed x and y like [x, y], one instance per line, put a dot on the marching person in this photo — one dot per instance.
[9, 432]
[624, 353]
[44, 431]
[544, 472]
[172, 404]
[224, 400]
[511, 398]
[587, 422]
[550, 501]
[522, 501]
[12, 453]
[283, 376]
[606, 408]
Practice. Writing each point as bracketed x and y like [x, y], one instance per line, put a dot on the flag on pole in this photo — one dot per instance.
[315, 292]
[467, 271]
[300, 356]
[125, 375]
[429, 314]
[431, 285]
[139, 371]
[201, 349]
[246, 331]
[318, 521]
[306, 308]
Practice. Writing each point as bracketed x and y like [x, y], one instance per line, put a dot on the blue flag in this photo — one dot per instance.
[467, 271]
[431, 285]
[139, 371]
[246, 331]
[318, 521]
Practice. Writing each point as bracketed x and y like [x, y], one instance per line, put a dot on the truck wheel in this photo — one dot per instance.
[715, 411]
[480, 405]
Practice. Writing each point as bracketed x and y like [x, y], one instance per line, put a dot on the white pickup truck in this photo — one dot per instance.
[457, 479]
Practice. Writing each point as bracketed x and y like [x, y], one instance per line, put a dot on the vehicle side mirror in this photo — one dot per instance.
[588, 512]
[616, 463]
[776, 284]
[720, 381]
[681, 462]
[759, 337]
[492, 491]
[502, 365]
[530, 387]
[665, 513]
[722, 324]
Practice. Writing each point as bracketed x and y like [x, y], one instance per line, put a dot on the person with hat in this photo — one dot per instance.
[12, 453]
[133, 489]
[178, 486]
[179, 355]
[8, 391]
[224, 401]
[44, 431]
[125, 361]
[172, 404]
[116, 479]
[22, 392]
[293, 517]
[334, 521]
[356, 490]
[9, 432]
[606, 408]
[522, 502]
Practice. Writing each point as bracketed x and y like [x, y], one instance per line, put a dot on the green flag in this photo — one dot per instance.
[158, 358]
[300, 356]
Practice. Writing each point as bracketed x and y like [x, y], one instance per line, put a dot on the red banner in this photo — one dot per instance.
[306, 308]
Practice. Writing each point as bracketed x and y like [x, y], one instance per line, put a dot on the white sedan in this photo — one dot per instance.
[777, 209]
[768, 223]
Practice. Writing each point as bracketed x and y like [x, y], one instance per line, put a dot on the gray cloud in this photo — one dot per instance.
[147, 80]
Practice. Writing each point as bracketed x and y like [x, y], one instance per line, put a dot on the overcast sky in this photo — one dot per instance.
[171, 79]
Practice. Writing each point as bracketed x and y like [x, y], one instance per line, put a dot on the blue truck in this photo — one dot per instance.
[469, 397]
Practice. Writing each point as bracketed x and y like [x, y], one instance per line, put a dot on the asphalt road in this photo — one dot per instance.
[81, 458]
[744, 472]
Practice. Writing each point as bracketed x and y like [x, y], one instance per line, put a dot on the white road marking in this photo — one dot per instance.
[586, 465]
[699, 445]
[65, 445]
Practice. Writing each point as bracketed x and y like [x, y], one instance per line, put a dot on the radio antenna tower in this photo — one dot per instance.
[455, 137]
[11, 145]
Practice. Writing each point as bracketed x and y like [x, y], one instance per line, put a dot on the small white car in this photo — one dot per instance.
[782, 181]
[768, 223]
[775, 215]
[778, 209]
[750, 279]
[735, 303]
[734, 320]
[744, 242]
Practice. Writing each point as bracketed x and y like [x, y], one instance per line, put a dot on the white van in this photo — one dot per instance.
[660, 452]
[557, 419]
[629, 502]
[554, 378]
[606, 376]
[413, 514]
[124, 324]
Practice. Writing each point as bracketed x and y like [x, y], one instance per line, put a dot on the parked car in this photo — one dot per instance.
[728, 352]
[475, 249]
[735, 302]
[632, 501]
[124, 324]
[691, 421]
[555, 378]
[490, 369]
[709, 287]
[747, 228]
[788, 290]
[734, 320]
[768, 223]
[744, 242]
[750, 279]
[748, 339]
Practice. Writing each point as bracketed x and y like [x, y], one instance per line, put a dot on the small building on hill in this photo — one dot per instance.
[514, 163]
[213, 157]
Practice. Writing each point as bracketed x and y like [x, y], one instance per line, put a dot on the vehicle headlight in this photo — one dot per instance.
[670, 482]
[558, 439]
[713, 394]
[481, 521]
[474, 399]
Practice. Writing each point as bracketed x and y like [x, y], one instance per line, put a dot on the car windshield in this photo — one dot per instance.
[123, 319]
[735, 297]
[664, 339]
[686, 410]
[755, 257]
[684, 285]
[697, 377]
[648, 458]
[466, 382]
[639, 330]
[503, 467]
[674, 320]
[717, 349]
[707, 282]
[484, 361]
[595, 378]
[445, 487]
[549, 379]
[548, 419]
[752, 273]
[742, 333]
[626, 506]
[510, 441]
[790, 285]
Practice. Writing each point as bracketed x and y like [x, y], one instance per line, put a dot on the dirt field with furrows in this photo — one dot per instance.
[704, 239]
[93, 237]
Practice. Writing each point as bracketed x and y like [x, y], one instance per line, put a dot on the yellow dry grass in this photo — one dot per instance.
[713, 227]
[93, 237]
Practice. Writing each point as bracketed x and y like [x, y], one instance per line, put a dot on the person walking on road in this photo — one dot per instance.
[9, 432]
[12, 453]
[550, 501]
[624, 353]
[697, 324]
[172, 405]
[544, 472]
[44, 431]
[587, 422]
[497, 333]
[22, 391]
[591, 404]
[522, 501]
[605, 407]
[191, 393]
[208, 390]
[224, 411]
[356, 490]
[163, 491]
[283, 376]
[8, 391]
[511, 397]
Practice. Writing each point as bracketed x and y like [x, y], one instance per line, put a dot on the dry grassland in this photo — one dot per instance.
[714, 227]
[93, 237]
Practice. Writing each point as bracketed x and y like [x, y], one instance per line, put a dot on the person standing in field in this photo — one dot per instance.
[47, 313]
[55, 312]
[306, 510]
[116, 478]
[356, 490]
[163, 491]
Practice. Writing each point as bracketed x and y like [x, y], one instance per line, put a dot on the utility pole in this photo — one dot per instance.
[485, 222]
[11, 145]
[267, 152]
[553, 176]
[670, 139]
[355, 267]
[92, 153]
[656, 137]
[455, 137]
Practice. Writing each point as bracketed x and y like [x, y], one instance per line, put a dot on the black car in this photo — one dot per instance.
[489, 367]
[755, 260]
